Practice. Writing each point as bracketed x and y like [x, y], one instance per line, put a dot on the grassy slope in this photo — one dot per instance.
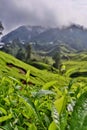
[79, 68]
[77, 62]
[38, 77]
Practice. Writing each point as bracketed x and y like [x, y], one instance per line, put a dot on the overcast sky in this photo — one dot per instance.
[14, 13]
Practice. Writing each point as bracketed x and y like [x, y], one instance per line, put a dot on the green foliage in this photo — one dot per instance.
[28, 52]
[20, 54]
[19, 50]
[40, 65]
[49, 84]
[57, 58]
[46, 105]
[12, 67]
[51, 108]
[53, 126]
[4, 118]
[79, 115]
[28, 76]
[59, 104]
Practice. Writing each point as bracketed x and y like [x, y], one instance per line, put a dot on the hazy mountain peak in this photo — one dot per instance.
[24, 33]
[74, 35]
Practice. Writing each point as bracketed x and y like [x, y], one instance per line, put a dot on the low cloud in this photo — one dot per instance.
[53, 13]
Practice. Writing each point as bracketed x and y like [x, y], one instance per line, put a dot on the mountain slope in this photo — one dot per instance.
[10, 66]
[75, 36]
[23, 33]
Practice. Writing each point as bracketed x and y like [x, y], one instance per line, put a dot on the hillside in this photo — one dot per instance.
[10, 66]
[51, 49]
[37, 99]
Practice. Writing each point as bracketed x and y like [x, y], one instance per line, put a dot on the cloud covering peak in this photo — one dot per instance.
[52, 13]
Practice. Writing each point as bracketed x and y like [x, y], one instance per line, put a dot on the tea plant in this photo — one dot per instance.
[26, 107]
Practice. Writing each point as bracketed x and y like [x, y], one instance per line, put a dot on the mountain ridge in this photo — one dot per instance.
[23, 33]
[74, 35]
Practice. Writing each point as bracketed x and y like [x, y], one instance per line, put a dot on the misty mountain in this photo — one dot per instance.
[74, 35]
[23, 33]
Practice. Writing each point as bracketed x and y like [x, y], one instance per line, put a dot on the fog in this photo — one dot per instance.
[52, 13]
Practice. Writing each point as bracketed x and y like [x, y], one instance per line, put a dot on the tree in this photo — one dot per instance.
[20, 54]
[28, 52]
[1, 28]
[45, 60]
[57, 58]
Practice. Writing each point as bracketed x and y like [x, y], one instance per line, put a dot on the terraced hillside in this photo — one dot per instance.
[10, 66]
[77, 68]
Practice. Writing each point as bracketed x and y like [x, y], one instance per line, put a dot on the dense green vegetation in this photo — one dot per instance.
[42, 99]
[10, 66]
